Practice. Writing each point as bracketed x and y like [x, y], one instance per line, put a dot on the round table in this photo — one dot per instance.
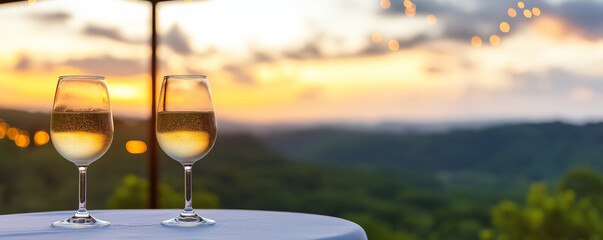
[146, 224]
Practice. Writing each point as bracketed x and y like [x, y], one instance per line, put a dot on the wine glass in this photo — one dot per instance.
[81, 129]
[186, 131]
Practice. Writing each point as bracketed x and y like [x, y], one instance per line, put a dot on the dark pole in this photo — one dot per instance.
[153, 161]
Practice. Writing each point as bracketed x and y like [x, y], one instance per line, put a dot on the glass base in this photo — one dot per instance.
[81, 220]
[188, 219]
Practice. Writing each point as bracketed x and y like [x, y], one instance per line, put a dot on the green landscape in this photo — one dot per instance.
[516, 181]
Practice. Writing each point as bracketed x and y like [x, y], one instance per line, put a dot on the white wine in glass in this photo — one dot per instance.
[81, 129]
[186, 131]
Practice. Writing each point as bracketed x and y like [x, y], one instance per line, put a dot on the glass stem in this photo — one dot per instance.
[188, 189]
[82, 192]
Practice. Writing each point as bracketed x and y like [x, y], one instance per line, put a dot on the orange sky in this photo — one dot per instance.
[300, 61]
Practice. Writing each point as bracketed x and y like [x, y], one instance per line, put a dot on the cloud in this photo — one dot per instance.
[192, 71]
[240, 74]
[259, 56]
[23, 64]
[311, 94]
[463, 19]
[581, 94]
[177, 40]
[110, 33]
[51, 17]
[107, 65]
[556, 81]
[586, 15]
[310, 50]
[374, 49]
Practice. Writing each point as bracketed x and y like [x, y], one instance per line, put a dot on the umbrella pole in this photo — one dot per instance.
[153, 160]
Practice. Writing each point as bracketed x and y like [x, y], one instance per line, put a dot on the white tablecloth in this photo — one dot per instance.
[146, 224]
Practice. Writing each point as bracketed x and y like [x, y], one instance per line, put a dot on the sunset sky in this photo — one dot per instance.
[314, 61]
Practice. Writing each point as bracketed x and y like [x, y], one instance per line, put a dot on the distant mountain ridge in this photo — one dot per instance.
[534, 151]
[541, 151]
[230, 126]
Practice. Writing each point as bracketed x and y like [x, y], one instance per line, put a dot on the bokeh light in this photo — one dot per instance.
[376, 37]
[31, 1]
[476, 41]
[512, 12]
[41, 137]
[505, 27]
[536, 11]
[431, 19]
[407, 3]
[520, 5]
[22, 140]
[136, 147]
[3, 129]
[385, 4]
[527, 13]
[494, 40]
[12, 133]
[393, 45]
[410, 12]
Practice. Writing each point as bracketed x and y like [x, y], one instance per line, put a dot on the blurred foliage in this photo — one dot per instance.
[133, 194]
[422, 191]
[574, 212]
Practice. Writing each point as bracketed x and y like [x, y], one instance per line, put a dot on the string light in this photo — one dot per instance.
[22, 140]
[385, 4]
[476, 41]
[512, 12]
[41, 137]
[431, 19]
[12, 133]
[505, 27]
[376, 37]
[536, 11]
[136, 147]
[393, 45]
[494, 40]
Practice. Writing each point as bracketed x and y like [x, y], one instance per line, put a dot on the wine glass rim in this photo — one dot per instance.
[186, 76]
[81, 77]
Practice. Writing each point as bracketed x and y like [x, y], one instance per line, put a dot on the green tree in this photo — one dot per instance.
[586, 183]
[132, 194]
[546, 216]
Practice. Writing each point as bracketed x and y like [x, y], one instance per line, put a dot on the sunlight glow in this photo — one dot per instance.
[278, 71]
